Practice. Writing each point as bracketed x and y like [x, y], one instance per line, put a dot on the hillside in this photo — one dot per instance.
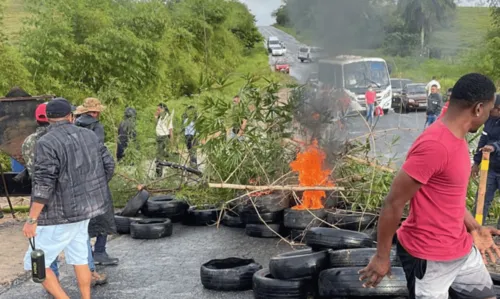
[13, 18]
[466, 31]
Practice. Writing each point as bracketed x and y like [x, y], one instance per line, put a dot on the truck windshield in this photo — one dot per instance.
[303, 50]
[274, 42]
[360, 75]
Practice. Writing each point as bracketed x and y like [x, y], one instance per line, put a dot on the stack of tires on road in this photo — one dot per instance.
[327, 269]
[150, 217]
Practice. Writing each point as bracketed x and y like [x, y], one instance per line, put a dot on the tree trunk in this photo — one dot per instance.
[422, 41]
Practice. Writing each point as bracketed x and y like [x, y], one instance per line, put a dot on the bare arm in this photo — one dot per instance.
[35, 210]
[471, 223]
[402, 190]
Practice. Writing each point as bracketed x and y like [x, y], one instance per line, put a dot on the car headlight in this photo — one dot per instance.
[411, 100]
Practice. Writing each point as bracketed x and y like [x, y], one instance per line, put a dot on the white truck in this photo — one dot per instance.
[311, 54]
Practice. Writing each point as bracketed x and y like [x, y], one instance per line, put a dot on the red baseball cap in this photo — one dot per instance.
[41, 113]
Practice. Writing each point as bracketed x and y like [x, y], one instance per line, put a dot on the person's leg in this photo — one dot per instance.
[55, 268]
[52, 240]
[77, 254]
[100, 255]
[473, 279]
[427, 279]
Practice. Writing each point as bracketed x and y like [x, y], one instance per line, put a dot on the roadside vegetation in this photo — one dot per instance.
[136, 54]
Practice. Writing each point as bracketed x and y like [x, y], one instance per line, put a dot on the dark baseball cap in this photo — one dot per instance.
[58, 108]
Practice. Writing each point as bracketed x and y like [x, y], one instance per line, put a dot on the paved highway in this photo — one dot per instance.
[394, 133]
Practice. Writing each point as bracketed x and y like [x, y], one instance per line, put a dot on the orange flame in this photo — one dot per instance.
[309, 165]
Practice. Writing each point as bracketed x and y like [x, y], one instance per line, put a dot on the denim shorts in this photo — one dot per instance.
[71, 238]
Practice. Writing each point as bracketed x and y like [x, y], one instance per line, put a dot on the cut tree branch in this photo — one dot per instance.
[276, 188]
[365, 162]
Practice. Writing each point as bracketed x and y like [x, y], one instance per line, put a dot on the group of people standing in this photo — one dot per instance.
[70, 168]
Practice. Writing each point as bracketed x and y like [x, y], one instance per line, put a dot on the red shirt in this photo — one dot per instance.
[435, 229]
[370, 97]
[445, 107]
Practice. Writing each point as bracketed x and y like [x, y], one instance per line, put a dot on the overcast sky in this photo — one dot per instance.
[262, 9]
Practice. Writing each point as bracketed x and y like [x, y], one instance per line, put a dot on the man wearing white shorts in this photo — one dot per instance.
[69, 188]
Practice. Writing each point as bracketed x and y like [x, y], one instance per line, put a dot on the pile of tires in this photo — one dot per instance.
[150, 217]
[327, 269]
[261, 216]
[298, 221]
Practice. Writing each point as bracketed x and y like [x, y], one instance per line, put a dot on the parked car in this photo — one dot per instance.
[397, 90]
[414, 97]
[282, 66]
[311, 54]
[278, 50]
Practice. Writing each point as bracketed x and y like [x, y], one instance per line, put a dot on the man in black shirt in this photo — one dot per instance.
[490, 140]
[434, 104]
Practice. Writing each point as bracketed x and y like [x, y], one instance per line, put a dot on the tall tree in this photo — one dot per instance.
[424, 16]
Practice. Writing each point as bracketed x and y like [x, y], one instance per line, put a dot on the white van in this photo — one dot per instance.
[273, 42]
[311, 54]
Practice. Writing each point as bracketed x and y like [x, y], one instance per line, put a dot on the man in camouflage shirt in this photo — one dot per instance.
[28, 147]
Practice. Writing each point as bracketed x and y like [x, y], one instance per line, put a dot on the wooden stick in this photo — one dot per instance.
[483, 179]
[278, 188]
[384, 168]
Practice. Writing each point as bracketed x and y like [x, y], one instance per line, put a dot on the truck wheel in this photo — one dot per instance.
[302, 60]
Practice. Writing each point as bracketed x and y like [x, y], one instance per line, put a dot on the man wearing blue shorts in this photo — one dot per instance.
[70, 186]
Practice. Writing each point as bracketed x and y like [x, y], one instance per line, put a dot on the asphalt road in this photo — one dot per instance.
[393, 134]
[165, 268]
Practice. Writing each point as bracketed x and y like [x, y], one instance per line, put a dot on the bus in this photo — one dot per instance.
[353, 75]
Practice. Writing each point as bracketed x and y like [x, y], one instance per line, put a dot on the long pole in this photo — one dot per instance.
[7, 192]
[274, 187]
[483, 179]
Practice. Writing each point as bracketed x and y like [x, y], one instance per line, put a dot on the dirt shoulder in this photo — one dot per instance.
[12, 250]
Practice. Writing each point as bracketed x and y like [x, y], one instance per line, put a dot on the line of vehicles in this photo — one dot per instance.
[352, 76]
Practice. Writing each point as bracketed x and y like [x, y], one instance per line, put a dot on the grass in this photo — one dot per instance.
[14, 15]
[467, 30]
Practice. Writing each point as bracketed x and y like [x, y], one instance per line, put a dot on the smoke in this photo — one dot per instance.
[339, 26]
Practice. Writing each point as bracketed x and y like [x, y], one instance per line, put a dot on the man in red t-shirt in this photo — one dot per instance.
[441, 246]
[370, 97]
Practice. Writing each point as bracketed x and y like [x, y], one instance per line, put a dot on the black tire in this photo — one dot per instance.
[123, 223]
[253, 218]
[135, 204]
[201, 215]
[265, 286]
[231, 219]
[352, 221]
[359, 257]
[495, 277]
[297, 235]
[151, 229]
[386, 111]
[262, 231]
[165, 206]
[345, 282]
[323, 237]
[268, 203]
[302, 219]
[231, 274]
[299, 264]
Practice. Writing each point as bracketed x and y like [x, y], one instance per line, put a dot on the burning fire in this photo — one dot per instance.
[309, 165]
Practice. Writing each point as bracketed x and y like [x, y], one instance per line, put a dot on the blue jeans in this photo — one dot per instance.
[492, 185]
[431, 118]
[370, 108]
[100, 244]
[54, 267]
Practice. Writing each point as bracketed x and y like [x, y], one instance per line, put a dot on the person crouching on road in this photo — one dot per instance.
[490, 141]
[370, 97]
[103, 225]
[434, 103]
[69, 188]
